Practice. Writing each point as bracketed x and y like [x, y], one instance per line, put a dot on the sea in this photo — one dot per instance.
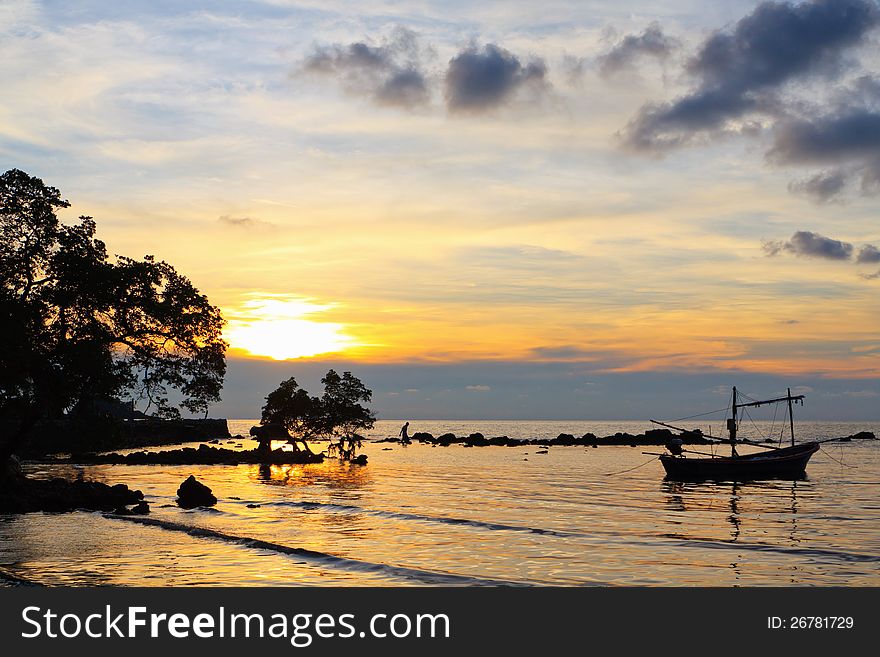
[419, 515]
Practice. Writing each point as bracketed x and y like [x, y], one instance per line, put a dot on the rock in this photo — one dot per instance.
[387, 449]
[214, 442]
[360, 460]
[140, 509]
[862, 435]
[541, 451]
[254, 506]
[123, 511]
[193, 493]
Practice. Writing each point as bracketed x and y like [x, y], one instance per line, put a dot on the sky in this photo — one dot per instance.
[590, 210]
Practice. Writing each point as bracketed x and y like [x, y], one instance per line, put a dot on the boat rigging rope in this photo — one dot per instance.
[611, 474]
[691, 417]
[757, 430]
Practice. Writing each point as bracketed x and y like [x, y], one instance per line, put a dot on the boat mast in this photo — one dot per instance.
[789, 398]
[731, 425]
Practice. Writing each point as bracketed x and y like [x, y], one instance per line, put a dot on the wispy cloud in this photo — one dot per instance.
[391, 72]
[244, 222]
[626, 53]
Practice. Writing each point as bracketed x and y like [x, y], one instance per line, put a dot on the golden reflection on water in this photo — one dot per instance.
[482, 513]
[331, 472]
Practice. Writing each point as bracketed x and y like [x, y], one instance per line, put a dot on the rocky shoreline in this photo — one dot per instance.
[652, 437]
[26, 495]
[65, 436]
[203, 455]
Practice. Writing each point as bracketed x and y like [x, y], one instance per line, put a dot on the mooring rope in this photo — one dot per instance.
[611, 474]
[828, 454]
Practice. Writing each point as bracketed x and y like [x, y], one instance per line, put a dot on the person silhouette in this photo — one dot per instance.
[404, 437]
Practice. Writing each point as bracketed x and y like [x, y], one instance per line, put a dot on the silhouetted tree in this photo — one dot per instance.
[338, 414]
[78, 324]
[291, 407]
[343, 413]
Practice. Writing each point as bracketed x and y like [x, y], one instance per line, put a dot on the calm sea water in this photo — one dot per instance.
[423, 515]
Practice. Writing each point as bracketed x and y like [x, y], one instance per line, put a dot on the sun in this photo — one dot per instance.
[280, 328]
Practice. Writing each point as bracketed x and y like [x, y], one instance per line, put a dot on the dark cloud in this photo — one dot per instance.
[823, 187]
[528, 389]
[623, 55]
[564, 352]
[848, 137]
[834, 138]
[811, 245]
[738, 73]
[868, 254]
[478, 80]
[391, 73]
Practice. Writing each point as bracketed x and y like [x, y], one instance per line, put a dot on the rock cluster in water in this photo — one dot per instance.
[650, 437]
[26, 495]
[204, 455]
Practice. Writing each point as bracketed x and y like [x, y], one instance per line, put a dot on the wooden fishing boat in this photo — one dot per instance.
[775, 463]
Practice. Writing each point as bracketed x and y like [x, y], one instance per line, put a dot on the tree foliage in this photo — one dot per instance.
[78, 323]
[337, 414]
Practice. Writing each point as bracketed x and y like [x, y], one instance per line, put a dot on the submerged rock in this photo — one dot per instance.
[360, 460]
[193, 493]
[140, 509]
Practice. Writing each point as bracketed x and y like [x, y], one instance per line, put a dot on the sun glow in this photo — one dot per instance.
[280, 328]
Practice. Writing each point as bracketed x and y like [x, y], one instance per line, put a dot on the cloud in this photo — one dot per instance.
[478, 388]
[391, 73]
[811, 245]
[847, 137]
[243, 222]
[738, 73]
[822, 187]
[868, 254]
[623, 55]
[478, 80]
[563, 352]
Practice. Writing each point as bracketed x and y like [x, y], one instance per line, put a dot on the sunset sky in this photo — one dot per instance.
[494, 209]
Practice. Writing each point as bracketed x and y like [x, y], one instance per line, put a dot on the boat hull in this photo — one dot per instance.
[786, 463]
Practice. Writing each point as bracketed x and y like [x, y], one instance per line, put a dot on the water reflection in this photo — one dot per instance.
[331, 474]
[740, 502]
[469, 512]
